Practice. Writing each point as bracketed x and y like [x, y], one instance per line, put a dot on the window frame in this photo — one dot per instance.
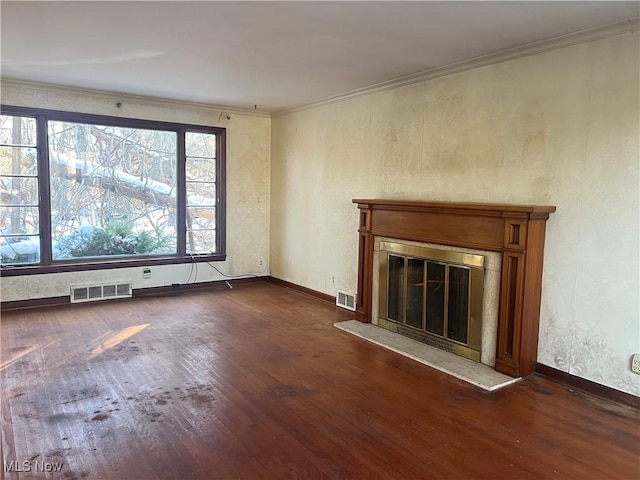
[48, 265]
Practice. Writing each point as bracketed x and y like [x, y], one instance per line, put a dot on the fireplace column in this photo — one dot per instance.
[516, 231]
[365, 266]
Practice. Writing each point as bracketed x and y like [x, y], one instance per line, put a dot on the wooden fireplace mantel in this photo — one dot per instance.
[516, 231]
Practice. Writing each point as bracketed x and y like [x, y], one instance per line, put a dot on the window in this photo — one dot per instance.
[83, 191]
[20, 218]
[112, 190]
[201, 192]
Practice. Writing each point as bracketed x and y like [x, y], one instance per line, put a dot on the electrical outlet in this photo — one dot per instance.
[333, 280]
[635, 363]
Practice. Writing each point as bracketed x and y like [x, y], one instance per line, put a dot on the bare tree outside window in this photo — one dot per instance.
[113, 190]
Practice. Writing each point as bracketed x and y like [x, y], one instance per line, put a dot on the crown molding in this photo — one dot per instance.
[124, 97]
[533, 48]
[582, 36]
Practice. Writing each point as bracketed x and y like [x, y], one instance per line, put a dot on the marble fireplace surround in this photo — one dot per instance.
[515, 232]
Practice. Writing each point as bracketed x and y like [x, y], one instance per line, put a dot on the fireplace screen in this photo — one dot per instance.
[433, 295]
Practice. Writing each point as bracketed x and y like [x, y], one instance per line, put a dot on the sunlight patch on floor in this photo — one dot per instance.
[117, 338]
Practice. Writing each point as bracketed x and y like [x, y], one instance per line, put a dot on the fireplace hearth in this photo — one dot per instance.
[514, 232]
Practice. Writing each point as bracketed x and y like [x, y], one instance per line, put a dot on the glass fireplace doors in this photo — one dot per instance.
[433, 295]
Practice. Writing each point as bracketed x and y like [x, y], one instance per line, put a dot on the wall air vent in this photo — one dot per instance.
[92, 293]
[346, 300]
[108, 291]
[123, 289]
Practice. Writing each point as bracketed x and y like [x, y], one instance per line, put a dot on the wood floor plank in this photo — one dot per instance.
[255, 382]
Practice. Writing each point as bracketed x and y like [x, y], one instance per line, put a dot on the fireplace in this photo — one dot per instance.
[432, 295]
[423, 270]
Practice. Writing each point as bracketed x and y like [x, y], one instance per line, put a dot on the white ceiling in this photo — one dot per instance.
[276, 55]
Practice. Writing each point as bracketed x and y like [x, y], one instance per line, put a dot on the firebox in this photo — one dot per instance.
[432, 295]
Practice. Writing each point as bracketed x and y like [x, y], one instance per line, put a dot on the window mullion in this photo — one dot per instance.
[181, 210]
[221, 193]
[44, 190]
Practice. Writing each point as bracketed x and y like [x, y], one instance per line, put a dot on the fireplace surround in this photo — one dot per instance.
[516, 232]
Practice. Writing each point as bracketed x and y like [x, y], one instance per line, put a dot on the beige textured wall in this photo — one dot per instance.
[559, 128]
[248, 152]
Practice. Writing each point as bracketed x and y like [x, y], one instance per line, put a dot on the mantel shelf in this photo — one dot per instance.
[461, 207]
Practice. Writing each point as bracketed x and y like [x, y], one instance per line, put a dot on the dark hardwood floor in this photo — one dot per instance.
[255, 382]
